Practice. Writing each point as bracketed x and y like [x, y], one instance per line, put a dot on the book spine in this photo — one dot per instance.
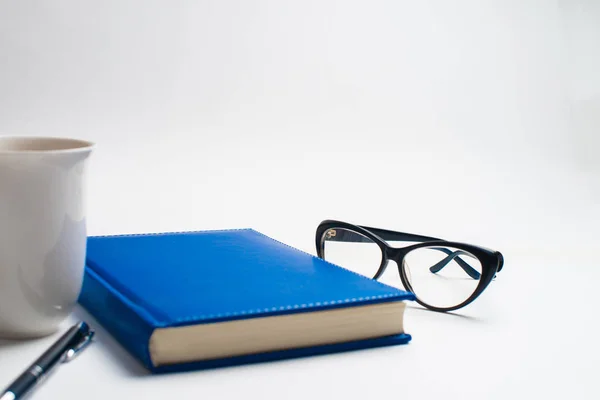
[126, 321]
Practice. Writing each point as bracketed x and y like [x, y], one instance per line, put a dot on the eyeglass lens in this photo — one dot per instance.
[352, 251]
[441, 277]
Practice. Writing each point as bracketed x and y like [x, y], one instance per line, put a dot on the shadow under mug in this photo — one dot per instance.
[43, 232]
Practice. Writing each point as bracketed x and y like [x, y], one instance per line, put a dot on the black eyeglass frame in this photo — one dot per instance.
[491, 261]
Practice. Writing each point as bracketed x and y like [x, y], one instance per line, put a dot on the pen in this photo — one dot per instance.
[63, 350]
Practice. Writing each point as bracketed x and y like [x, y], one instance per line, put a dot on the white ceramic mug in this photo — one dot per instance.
[42, 232]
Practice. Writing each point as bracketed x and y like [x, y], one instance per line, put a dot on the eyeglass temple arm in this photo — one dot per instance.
[454, 255]
[344, 235]
[348, 236]
[399, 236]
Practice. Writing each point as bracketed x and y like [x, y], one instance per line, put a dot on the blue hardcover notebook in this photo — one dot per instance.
[192, 300]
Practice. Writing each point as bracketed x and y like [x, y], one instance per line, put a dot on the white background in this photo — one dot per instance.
[476, 121]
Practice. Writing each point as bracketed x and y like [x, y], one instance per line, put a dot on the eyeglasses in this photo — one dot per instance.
[443, 275]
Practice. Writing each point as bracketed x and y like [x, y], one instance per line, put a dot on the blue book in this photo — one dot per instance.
[193, 300]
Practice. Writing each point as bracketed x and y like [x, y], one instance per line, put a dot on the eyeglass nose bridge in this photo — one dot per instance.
[389, 253]
[395, 254]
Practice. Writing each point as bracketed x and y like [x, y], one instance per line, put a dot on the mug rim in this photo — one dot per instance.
[50, 145]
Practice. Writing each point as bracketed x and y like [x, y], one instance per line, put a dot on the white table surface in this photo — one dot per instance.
[529, 336]
[532, 334]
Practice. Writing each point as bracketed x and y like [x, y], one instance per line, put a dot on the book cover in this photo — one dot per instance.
[193, 300]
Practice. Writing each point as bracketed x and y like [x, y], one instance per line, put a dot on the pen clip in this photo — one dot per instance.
[71, 353]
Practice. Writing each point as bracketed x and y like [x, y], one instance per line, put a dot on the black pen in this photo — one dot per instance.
[63, 350]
